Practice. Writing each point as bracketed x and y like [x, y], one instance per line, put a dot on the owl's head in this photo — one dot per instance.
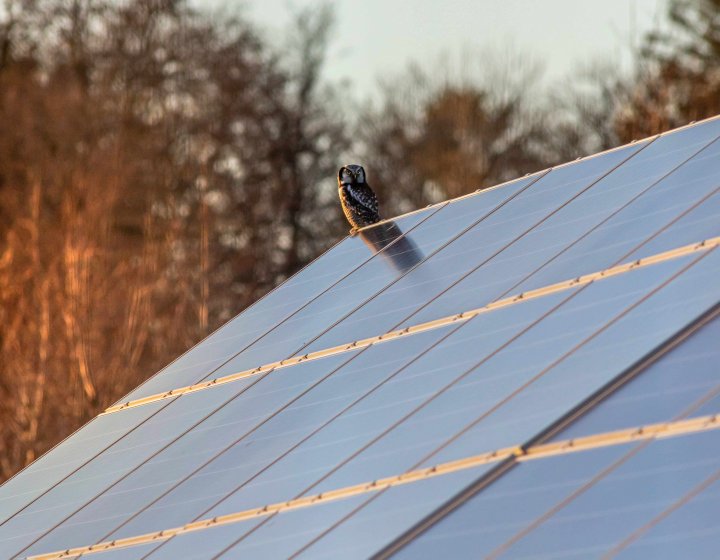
[351, 174]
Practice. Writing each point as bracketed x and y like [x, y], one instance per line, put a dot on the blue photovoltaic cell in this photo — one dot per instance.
[509, 504]
[671, 388]
[265, 314]
[573, 506]
[690, 531]
[632, 232]
[63, 459]
[506, 273]
[294, 335]
[625, 499]
[502, 402]
[488, 238]
[108, 467]
[300, 470]
[175, 459]
[240, 465]
[600, 360]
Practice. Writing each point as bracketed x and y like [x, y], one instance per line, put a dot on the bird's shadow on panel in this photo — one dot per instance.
[388, 239]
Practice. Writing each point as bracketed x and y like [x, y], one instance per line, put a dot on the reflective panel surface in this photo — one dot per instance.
[275, 537]
[65, 458]
[383, 516]
[240, 470]
[577, 227]
[613, 347]
[515, 389]
[676, 386]
[575, 505]
[221, 416]
[673, 212]
[283, 302]
[509, 505]
[309, 467]
[692, 528]
[621, 501]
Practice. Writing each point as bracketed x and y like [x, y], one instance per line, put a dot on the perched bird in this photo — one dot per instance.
[358, 200]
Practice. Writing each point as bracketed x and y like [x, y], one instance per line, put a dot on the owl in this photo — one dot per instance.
[358, 200]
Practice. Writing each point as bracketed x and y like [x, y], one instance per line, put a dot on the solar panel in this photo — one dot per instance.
[491, 235]
[621, 340]
[270, 311]
[493, 515]
[278, 539]
[513, 269]
[236, 441]
[384, 515]
[576, 505]
[515, 372]
[680, 383]
[65, 458]
[689, 524]
[297, 335]
[211, 418]
[625, 496]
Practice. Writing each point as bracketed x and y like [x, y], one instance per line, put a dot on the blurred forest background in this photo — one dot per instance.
[161, 168]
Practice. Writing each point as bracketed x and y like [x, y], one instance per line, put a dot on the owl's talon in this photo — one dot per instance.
[353, 232]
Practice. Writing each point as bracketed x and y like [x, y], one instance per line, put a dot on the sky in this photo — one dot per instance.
[378, 38]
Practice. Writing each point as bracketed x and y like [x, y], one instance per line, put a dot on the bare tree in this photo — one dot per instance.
[159, 171]
[676, 80]
[435, 137]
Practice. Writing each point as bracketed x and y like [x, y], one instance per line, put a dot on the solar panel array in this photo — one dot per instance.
[529, 371]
